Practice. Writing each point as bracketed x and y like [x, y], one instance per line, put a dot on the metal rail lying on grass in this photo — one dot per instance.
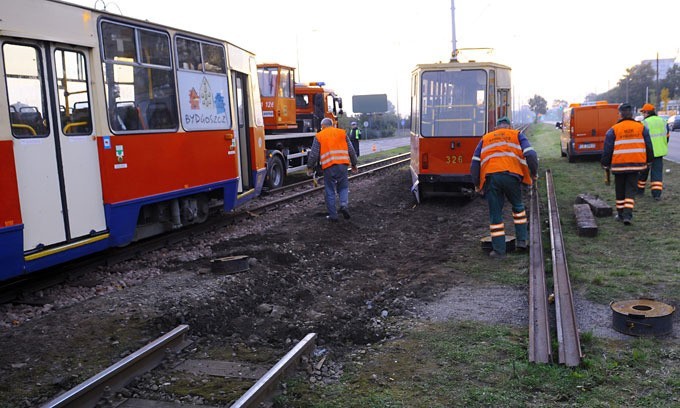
[540, 349]
[567, 331]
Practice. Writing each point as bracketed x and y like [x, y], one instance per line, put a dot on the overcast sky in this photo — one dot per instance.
[559, 50]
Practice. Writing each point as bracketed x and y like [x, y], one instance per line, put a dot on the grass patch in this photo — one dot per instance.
[469, 364]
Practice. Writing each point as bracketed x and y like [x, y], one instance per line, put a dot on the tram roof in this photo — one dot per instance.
[459, 65]
[35, 32]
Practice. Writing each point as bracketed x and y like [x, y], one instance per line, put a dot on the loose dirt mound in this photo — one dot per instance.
[340, 279]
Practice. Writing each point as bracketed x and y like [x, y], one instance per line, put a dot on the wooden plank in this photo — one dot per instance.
[585, 222]
[599, 207]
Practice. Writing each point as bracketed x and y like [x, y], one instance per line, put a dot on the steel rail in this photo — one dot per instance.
[540, 349]
[263, 387]
[567, 331]
[88, 393]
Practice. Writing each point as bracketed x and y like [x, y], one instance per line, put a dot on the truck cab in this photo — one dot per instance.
[292, 114]
[313, 102]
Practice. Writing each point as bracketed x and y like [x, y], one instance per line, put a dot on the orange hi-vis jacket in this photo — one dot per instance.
[333, 147]
[630, 152]
[501, 152]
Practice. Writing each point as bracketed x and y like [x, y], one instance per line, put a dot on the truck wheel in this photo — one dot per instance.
[276, 173]
[570, 154]
[562, 153]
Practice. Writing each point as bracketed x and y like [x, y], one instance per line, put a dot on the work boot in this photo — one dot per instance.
[345, 212]
[627, 221]
[331, 219]
[640, 191]
[496, 255]
[618, 217]
[522, 246]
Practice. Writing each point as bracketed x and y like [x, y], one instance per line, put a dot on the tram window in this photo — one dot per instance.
[453, 103]
[75, 118]
[140, 83]
[188, 54]
[155, 48]
[204, 102]
[213, 59]
[25, 90]
[119, 42]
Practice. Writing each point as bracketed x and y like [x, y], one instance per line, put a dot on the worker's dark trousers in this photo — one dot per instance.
[656, 180]
[355, 145]
[497, 187]
[626, 187]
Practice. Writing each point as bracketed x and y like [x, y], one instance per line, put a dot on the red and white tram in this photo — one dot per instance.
[114, 129]
[453, 105]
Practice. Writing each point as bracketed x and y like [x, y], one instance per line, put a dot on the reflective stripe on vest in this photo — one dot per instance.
[333, 143]
[630, 152]
[501, 151]
[657, 132]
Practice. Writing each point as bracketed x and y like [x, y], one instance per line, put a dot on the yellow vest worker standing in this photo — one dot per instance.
[333, 150]
[502, 162]
[658, 133]
[627, 151]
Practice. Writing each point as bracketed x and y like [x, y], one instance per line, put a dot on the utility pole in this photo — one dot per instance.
[658, 91]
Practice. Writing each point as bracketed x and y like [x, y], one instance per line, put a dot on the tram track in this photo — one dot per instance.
[132, 368]
[569, 346]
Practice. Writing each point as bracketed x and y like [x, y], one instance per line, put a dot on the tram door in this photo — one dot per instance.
[240, 82]
[55, 151]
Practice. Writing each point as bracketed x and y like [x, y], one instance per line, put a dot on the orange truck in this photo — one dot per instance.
[292, 114]
[584, 127]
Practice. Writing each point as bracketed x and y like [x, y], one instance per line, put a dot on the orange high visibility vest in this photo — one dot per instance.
[333, 143]
[630, 152]
[501, 152]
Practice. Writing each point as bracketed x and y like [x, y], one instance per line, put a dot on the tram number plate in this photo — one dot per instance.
[454, 159]
[587, 146]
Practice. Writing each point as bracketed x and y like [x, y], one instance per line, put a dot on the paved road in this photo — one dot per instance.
[674, 147]
[378, 145]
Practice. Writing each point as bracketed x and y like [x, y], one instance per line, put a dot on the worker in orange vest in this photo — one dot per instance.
[627, 152]
[502, 162]
[333, 150]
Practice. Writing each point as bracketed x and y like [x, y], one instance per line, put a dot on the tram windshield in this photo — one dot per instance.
[453, 103]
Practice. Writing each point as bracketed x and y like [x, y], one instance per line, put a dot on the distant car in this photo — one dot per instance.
[674, 123]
